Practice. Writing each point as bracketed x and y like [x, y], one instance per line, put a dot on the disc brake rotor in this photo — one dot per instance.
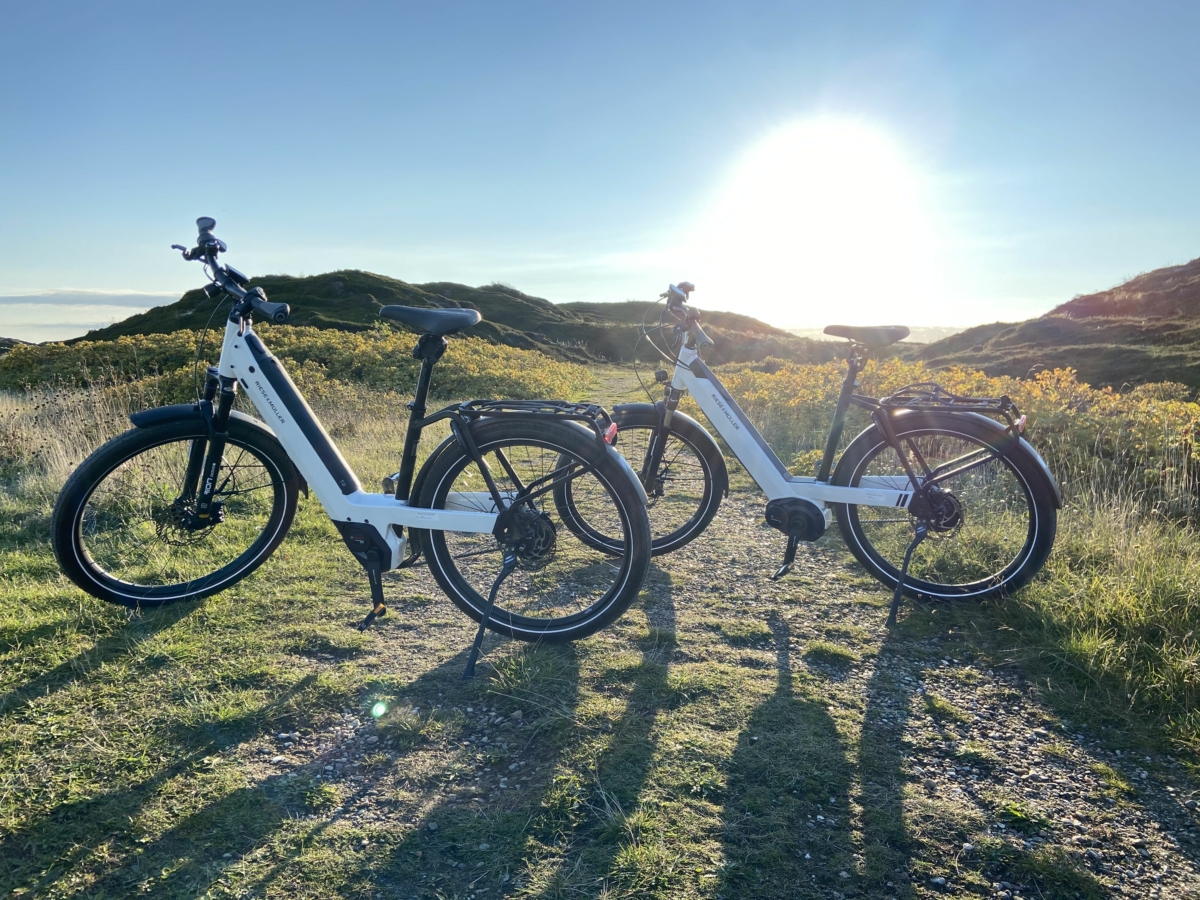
[946, 513]
[540, 536]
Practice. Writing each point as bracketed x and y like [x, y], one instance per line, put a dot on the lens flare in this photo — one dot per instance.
[378, 709]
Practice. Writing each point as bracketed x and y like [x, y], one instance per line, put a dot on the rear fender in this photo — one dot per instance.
[1004, 444]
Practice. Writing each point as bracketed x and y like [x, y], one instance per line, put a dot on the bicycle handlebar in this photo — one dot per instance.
[699, 338]
[207, 247]
[276, 312]
[688, 317]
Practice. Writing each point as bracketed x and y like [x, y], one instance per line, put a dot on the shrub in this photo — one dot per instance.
[380, 358]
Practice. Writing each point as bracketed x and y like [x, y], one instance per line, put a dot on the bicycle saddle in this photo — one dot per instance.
[878, 336]
[432, 321]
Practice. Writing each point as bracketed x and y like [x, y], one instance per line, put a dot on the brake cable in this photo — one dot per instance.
[669, 359]
[203, 338]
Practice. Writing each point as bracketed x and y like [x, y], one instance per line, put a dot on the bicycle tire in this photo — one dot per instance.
[684, 494]
[571, 590]
[1006, 517]
[118, 535]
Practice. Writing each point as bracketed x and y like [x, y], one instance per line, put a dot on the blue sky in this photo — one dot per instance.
[597, 152]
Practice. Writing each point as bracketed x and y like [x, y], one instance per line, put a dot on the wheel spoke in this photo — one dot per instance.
[559, 578]
[135, 531]
[981, 523]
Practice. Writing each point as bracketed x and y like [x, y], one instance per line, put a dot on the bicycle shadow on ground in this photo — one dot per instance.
[563, 832]
[467, 837]
[786, 819]
[115, 845]
[78, 834]
[122, 641]
[914, 827]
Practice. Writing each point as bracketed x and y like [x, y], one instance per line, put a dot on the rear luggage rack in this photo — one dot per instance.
[928, 395]
[593, 415]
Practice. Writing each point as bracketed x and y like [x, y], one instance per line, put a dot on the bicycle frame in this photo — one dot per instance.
[753, 452]
[245, 359]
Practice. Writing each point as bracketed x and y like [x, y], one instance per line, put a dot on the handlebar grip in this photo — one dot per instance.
[276, 312]
[699, 338]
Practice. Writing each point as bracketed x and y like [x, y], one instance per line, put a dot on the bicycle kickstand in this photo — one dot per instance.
[922, 531]
[789, 557]
[375, 576]
[510, 563]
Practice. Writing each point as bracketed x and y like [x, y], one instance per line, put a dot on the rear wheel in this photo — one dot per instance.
[123, 527]
[991, 527]
[563, 588]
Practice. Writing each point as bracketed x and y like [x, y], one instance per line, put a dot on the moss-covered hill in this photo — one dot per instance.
[575, 332]
[1146, 330]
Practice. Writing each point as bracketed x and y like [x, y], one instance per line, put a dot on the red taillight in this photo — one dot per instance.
[610, 433]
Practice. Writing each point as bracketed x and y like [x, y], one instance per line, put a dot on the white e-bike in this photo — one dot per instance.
[941, 497]
[197, 496]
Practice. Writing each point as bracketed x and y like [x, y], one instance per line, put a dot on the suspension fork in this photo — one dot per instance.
[191, 477]
[216, 419]
[658, 438]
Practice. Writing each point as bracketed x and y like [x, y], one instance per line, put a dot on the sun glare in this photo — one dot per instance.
[824, 221]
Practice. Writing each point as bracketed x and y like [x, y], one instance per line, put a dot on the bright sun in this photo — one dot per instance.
[824, 221]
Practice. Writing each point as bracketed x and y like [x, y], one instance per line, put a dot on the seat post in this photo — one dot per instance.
[857, 359]
[429, 350]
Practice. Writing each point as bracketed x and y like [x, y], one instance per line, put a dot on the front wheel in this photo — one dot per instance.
[563, 588]
[994, 519]
[124, 528]
[683, 492]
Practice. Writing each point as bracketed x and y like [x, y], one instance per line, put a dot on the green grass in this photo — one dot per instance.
[829, 653]
[1051, 871]
[943, 711]
[1022, 817]
[977, 753]
[1115, 784]
[684, 752]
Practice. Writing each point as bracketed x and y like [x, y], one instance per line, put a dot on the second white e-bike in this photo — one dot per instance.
[941, 497]
[197, 496]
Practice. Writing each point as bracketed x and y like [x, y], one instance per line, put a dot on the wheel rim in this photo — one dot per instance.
[678, 492]
[676, 496]
[984, 528]
[131, 532]
[554, 590]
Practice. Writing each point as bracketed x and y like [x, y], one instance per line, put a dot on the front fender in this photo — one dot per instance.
[160, 415]
[182, 412]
